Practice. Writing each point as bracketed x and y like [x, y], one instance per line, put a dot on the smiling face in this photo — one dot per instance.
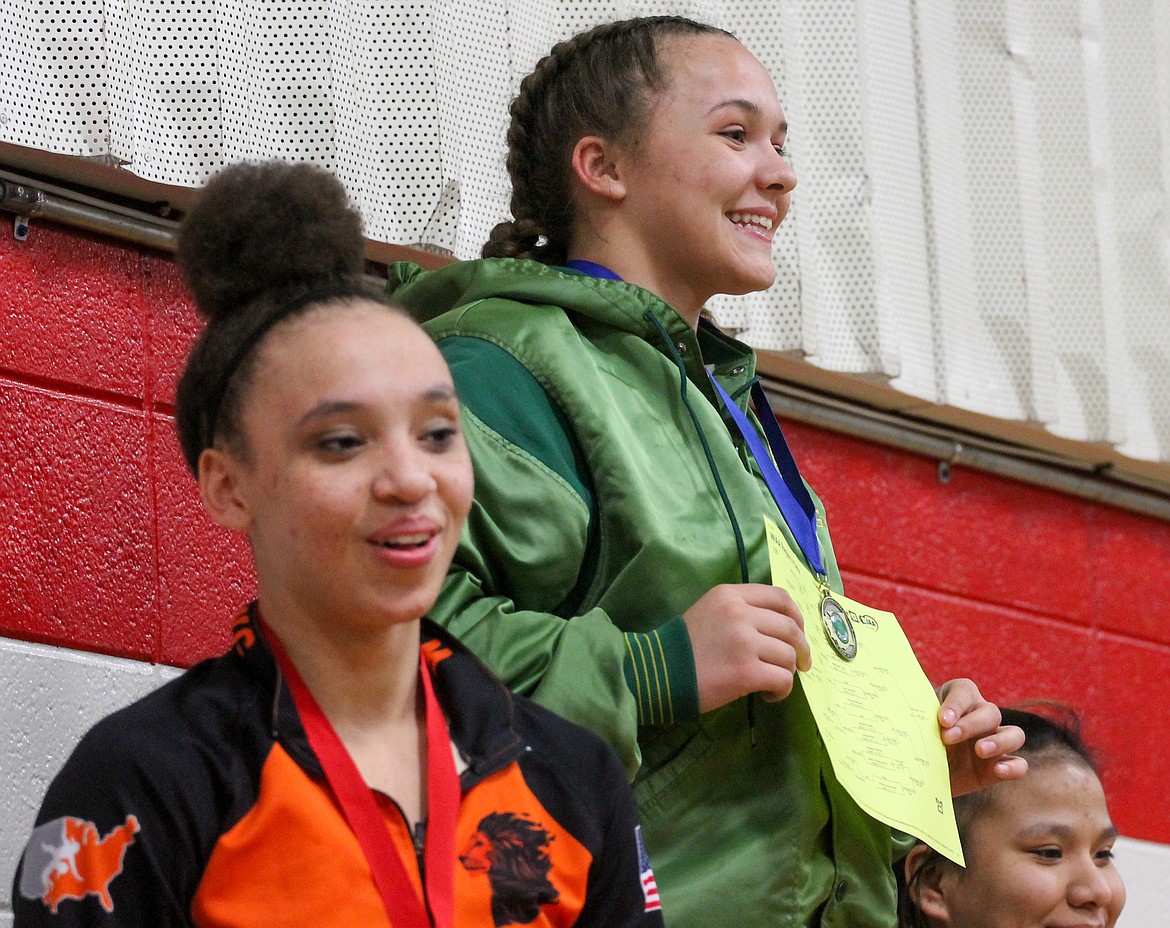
[1039, 855]
[355, 480]
[707, 181]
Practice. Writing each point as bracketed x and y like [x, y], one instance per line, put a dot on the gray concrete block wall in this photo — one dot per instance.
[1145, 867]
[49, 697]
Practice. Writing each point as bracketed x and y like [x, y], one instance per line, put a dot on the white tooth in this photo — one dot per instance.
[750, 219]
[407, 540]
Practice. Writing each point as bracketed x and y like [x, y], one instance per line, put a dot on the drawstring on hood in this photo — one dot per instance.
[683, 380]
[739, 546]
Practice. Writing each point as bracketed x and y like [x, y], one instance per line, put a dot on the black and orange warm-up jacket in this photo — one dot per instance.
[203, 804]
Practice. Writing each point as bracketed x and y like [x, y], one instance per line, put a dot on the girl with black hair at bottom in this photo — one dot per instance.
[1039, 851]
[615, 566]
[348, 762]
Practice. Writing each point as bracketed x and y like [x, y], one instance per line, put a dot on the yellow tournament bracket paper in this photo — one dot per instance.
[877, 713]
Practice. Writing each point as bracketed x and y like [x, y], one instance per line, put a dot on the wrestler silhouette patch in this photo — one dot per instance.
[513, 852]
[68, 858]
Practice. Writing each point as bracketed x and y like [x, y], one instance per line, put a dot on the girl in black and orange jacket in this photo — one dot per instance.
[346, 763]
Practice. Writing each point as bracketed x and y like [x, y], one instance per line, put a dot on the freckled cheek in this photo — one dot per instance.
[323, 508]
[306, 528]
[702, 177]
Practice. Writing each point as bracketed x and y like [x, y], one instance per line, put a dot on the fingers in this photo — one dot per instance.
[768, 644]
[776, 687]
[746, 638]
[979, 749]
[1010, 768]
[784, 642]
[974, 766]
[781, 647]
[775, 669]
[780, 620]
[964, 714]
[997, 752]
[804, 656]
[1006, 739]
[772, 598]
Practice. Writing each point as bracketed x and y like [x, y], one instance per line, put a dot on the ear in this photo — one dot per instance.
[927, 878]
[596, 164]
[220, 487]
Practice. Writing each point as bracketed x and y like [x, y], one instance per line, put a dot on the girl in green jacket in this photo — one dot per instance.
[615, 566]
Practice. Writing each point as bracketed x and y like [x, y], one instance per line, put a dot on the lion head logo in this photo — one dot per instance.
[513, 852]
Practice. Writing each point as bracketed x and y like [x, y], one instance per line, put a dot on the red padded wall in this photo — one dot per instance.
[105, 547]
[1028, 591]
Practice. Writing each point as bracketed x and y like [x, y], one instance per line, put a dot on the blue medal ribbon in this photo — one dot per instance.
[779, 471]
[592, 268]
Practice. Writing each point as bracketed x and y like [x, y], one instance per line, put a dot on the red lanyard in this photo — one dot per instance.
[403, 907]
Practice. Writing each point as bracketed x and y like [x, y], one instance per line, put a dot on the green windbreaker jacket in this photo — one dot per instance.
[611, 493]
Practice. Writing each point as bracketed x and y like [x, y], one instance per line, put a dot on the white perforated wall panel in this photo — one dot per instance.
[981, 217]
[839, 327]
[53, 76]
[1132, 220]
[890, 117]
[975, 200]
[1064, 277]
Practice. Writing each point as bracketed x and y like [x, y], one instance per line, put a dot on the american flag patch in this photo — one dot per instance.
[649, 884]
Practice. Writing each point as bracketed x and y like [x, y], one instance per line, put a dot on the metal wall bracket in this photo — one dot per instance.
[28, 201]
[22, 200]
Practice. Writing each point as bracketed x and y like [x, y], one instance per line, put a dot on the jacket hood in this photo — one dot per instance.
[428, 294]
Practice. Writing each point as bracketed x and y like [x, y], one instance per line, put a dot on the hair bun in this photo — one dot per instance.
[260, 227]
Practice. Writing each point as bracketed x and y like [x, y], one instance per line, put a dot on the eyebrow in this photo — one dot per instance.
[442, 393]
[748, 107]
[324, 410]
[1041, 829]
[439, 393]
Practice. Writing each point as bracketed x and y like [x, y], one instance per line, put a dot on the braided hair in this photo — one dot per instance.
[599, 82]
[1052, 732]
[262, 243]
